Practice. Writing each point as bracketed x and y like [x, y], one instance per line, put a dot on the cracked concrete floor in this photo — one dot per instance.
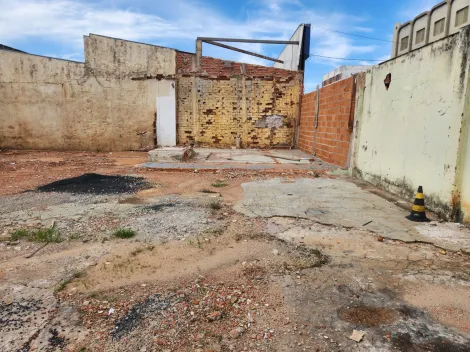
[342, 203]
[405, 296]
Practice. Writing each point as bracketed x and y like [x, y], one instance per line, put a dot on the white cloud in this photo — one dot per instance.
[64, 22]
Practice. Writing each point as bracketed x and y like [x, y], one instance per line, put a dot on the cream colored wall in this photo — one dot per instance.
[408, 136]
[122, 58]
[404, 32]
[436, 15]
[456, 6]
[420, 23]
[55, 104]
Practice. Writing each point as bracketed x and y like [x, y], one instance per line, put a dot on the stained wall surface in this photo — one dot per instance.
[106, 103]
[227, 100]
[416, 132]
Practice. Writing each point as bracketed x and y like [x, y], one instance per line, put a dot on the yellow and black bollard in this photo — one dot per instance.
[418, 211]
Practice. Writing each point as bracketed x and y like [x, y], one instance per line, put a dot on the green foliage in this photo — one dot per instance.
[124, 233]
[50, 235]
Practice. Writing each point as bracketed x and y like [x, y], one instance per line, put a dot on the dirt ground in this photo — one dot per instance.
[196, 275]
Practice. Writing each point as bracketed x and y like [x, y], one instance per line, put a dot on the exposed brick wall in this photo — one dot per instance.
[335, 119]
[231, 98]
[222, 68]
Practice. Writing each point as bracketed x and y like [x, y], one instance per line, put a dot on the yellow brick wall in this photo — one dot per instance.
[229, 107]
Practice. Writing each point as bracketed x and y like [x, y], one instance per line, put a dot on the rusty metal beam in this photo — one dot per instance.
[261, 41]
[240, 50]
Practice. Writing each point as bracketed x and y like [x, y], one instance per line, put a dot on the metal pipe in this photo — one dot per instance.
[262, 41]
[242, 51]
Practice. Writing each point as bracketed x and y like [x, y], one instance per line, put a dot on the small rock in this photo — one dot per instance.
[237, 332]
[275, 252]
[214, 316]
[380, 238]
[357, 335]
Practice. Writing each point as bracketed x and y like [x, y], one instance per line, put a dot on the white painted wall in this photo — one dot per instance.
[445, 9]
[405, 31]
[291, 53]
[456, 6]
[166, 114]
[408, 136]
[420, 23]
[437, 14]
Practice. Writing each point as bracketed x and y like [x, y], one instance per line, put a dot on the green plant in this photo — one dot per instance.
[204, 190]
[74, 236]
[19, 234]
[124, 233]
[219, 183]
[50, 235]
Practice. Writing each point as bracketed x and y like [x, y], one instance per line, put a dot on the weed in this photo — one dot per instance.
[74, 236]
[219, 183]
[198, 242]
[50, 235]
[137, 251]
[215, 205]
[204, 190]
[19, 234]
[124, 233]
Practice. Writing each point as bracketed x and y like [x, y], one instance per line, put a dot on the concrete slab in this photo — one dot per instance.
[211, 155]
[234, 165]
[343, 204]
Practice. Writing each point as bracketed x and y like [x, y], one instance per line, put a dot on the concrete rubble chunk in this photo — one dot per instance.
[357, 335]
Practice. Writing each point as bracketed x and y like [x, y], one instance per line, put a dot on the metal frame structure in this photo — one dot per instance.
[215, 41]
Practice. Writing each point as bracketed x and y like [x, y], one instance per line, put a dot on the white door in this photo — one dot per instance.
[166, 114]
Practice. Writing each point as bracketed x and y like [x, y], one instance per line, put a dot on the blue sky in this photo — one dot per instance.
[56, 27]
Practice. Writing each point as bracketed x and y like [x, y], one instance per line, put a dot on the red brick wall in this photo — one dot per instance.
[335, 120]
[222, 68]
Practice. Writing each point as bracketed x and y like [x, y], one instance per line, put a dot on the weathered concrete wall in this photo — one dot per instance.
[108, 103]
[331, 139]
[409, 135]
[226, 100]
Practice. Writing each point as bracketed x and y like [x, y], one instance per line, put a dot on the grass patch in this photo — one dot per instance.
[215, 206]
[124, 233]
[50, 235]
[219, 183]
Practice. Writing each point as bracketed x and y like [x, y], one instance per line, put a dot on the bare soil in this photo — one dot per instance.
[198, 276]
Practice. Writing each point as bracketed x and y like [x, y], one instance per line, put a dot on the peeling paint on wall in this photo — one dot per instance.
[271, 121]
[416, 133]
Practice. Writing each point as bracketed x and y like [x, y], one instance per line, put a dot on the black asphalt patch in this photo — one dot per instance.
[97, 184]
[139, 312]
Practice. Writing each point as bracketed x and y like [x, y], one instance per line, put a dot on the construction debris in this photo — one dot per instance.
[357, 335]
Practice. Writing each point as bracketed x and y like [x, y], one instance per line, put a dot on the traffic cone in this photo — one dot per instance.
[418, 211]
